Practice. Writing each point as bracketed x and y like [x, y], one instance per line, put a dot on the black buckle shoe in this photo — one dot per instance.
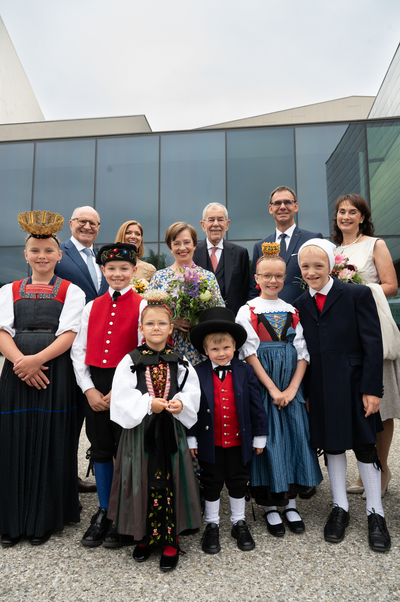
[97, 531]
[275, 530]
[141, 553]
[296, 526]
[378, 535]
[168, 563]
[112, 538]
[240, 531]
[39, 540]
[210, 540]
[336, 525]
[308, 493]
[9, 542]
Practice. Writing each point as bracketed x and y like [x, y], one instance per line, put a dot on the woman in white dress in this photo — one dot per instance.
[353, 233]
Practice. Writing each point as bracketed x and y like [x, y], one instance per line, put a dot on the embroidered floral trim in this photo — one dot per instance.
[158, 380]
[39, 291]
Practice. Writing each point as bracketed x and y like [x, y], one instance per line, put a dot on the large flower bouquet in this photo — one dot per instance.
[345, 271]
[190, 293]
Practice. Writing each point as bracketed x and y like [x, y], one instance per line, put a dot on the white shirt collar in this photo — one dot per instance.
[288, 232]
[123, 291]
[220, 245]
[214, 365]
[79, 246]
[323, 291]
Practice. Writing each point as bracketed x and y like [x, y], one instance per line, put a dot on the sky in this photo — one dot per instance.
[190, 63]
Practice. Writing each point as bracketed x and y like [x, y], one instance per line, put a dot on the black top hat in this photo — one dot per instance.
[216, 319]
[117, 251]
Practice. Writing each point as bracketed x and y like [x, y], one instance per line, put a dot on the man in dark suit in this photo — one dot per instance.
[229, 262]
[283, 205]
[78, 265]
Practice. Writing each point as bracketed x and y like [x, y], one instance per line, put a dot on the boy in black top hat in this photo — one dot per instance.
[231, 423]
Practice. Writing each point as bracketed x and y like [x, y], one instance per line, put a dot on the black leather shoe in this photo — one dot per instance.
[141, 553]
[126, 540]
[37, 541]
[112, 539]
[275, 530]
[241, 533]
[86, 486]
[97, 531]
[210, 540]
[378, 535]
[336, 525]
[296, 526]
[168, 563]
[9, 542]
[307, 493]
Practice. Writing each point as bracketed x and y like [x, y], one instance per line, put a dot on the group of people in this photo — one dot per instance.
[263, 381]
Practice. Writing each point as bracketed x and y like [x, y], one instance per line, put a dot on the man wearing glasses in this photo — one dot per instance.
[78, 265]
[283, 205]
[229, 262]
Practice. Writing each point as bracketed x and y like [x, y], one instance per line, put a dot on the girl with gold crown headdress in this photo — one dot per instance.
[276, 349]
[40, 317]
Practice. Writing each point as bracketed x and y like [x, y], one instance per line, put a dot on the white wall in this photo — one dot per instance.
[17, 100]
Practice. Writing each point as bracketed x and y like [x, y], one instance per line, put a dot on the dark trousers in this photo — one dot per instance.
[101, 431]
[229, 469]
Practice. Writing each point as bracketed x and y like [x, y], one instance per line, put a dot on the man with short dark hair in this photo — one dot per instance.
[229, 262]
[283, 205]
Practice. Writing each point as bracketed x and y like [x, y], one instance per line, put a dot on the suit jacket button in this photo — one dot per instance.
[113, 313]
[104, 361]
[111, 323]
[208, 411]
[207, 427]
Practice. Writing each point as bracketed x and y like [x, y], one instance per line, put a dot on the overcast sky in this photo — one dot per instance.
[189, 63]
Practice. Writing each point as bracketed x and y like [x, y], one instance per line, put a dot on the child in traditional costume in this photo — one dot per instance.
[109, 330]
[276, 349]
[232, 423]
[343, 335]
[155, 395]
[40, 317]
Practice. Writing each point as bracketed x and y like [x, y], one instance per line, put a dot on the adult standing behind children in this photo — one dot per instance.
[353, 232]
[283, 206]
[229, 262]
[78, 265]
[342, 331]
[109, 330]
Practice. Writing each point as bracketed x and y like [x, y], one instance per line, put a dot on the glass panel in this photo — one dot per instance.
[346, 168]
[257, 162]
[383, 161]
[127, 184]
[166, 255]
[64, 177]
[13, 264]
[394, 248]
[16, 169]
[192, 175]
[314, 145]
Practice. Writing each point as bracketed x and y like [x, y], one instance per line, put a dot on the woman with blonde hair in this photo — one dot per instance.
[131, 232]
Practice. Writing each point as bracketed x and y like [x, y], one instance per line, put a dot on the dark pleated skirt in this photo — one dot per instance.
[288, 459]
[128, 499]
[38, 463]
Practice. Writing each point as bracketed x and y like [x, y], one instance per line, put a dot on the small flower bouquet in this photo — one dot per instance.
[189, 294]
[345, 271]
[139, 285]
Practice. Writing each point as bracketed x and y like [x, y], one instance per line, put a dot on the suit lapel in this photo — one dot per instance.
[333, 295]
[208, 385]
[75, 256]
[202, 253]
[229, 262]
[238, 375]
[294, 243]
[309, 304]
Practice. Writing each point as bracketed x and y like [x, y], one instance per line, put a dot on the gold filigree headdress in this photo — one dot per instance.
[41, 224]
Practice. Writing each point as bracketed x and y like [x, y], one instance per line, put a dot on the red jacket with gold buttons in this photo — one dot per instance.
[112, 329]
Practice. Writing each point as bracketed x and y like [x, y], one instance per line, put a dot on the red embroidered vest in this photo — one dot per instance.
[112, 329]
[226, 424]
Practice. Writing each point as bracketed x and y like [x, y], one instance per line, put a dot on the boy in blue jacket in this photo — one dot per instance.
[232, 422]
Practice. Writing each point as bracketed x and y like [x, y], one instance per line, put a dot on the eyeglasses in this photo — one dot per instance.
[268, 277]
[152, 325]
[83, 222]
[186, 243]
[286, 202]
[211, 220]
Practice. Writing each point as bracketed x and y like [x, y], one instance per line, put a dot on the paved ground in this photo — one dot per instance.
[294, 568]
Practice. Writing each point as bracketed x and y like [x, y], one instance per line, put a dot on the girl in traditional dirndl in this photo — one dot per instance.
[40, 317]
[275, 347]
[155, 395]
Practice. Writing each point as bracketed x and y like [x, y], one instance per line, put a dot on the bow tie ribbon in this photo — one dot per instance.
[221, 371]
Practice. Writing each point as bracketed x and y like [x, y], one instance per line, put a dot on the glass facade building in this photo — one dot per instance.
[160, 178]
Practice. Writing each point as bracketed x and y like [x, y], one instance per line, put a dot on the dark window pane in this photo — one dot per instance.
[16, 168]
[127, 184]
[192, 175]
[13, 264]
[64, 177]
[314, 146]
[383, 161]
[257, 162]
